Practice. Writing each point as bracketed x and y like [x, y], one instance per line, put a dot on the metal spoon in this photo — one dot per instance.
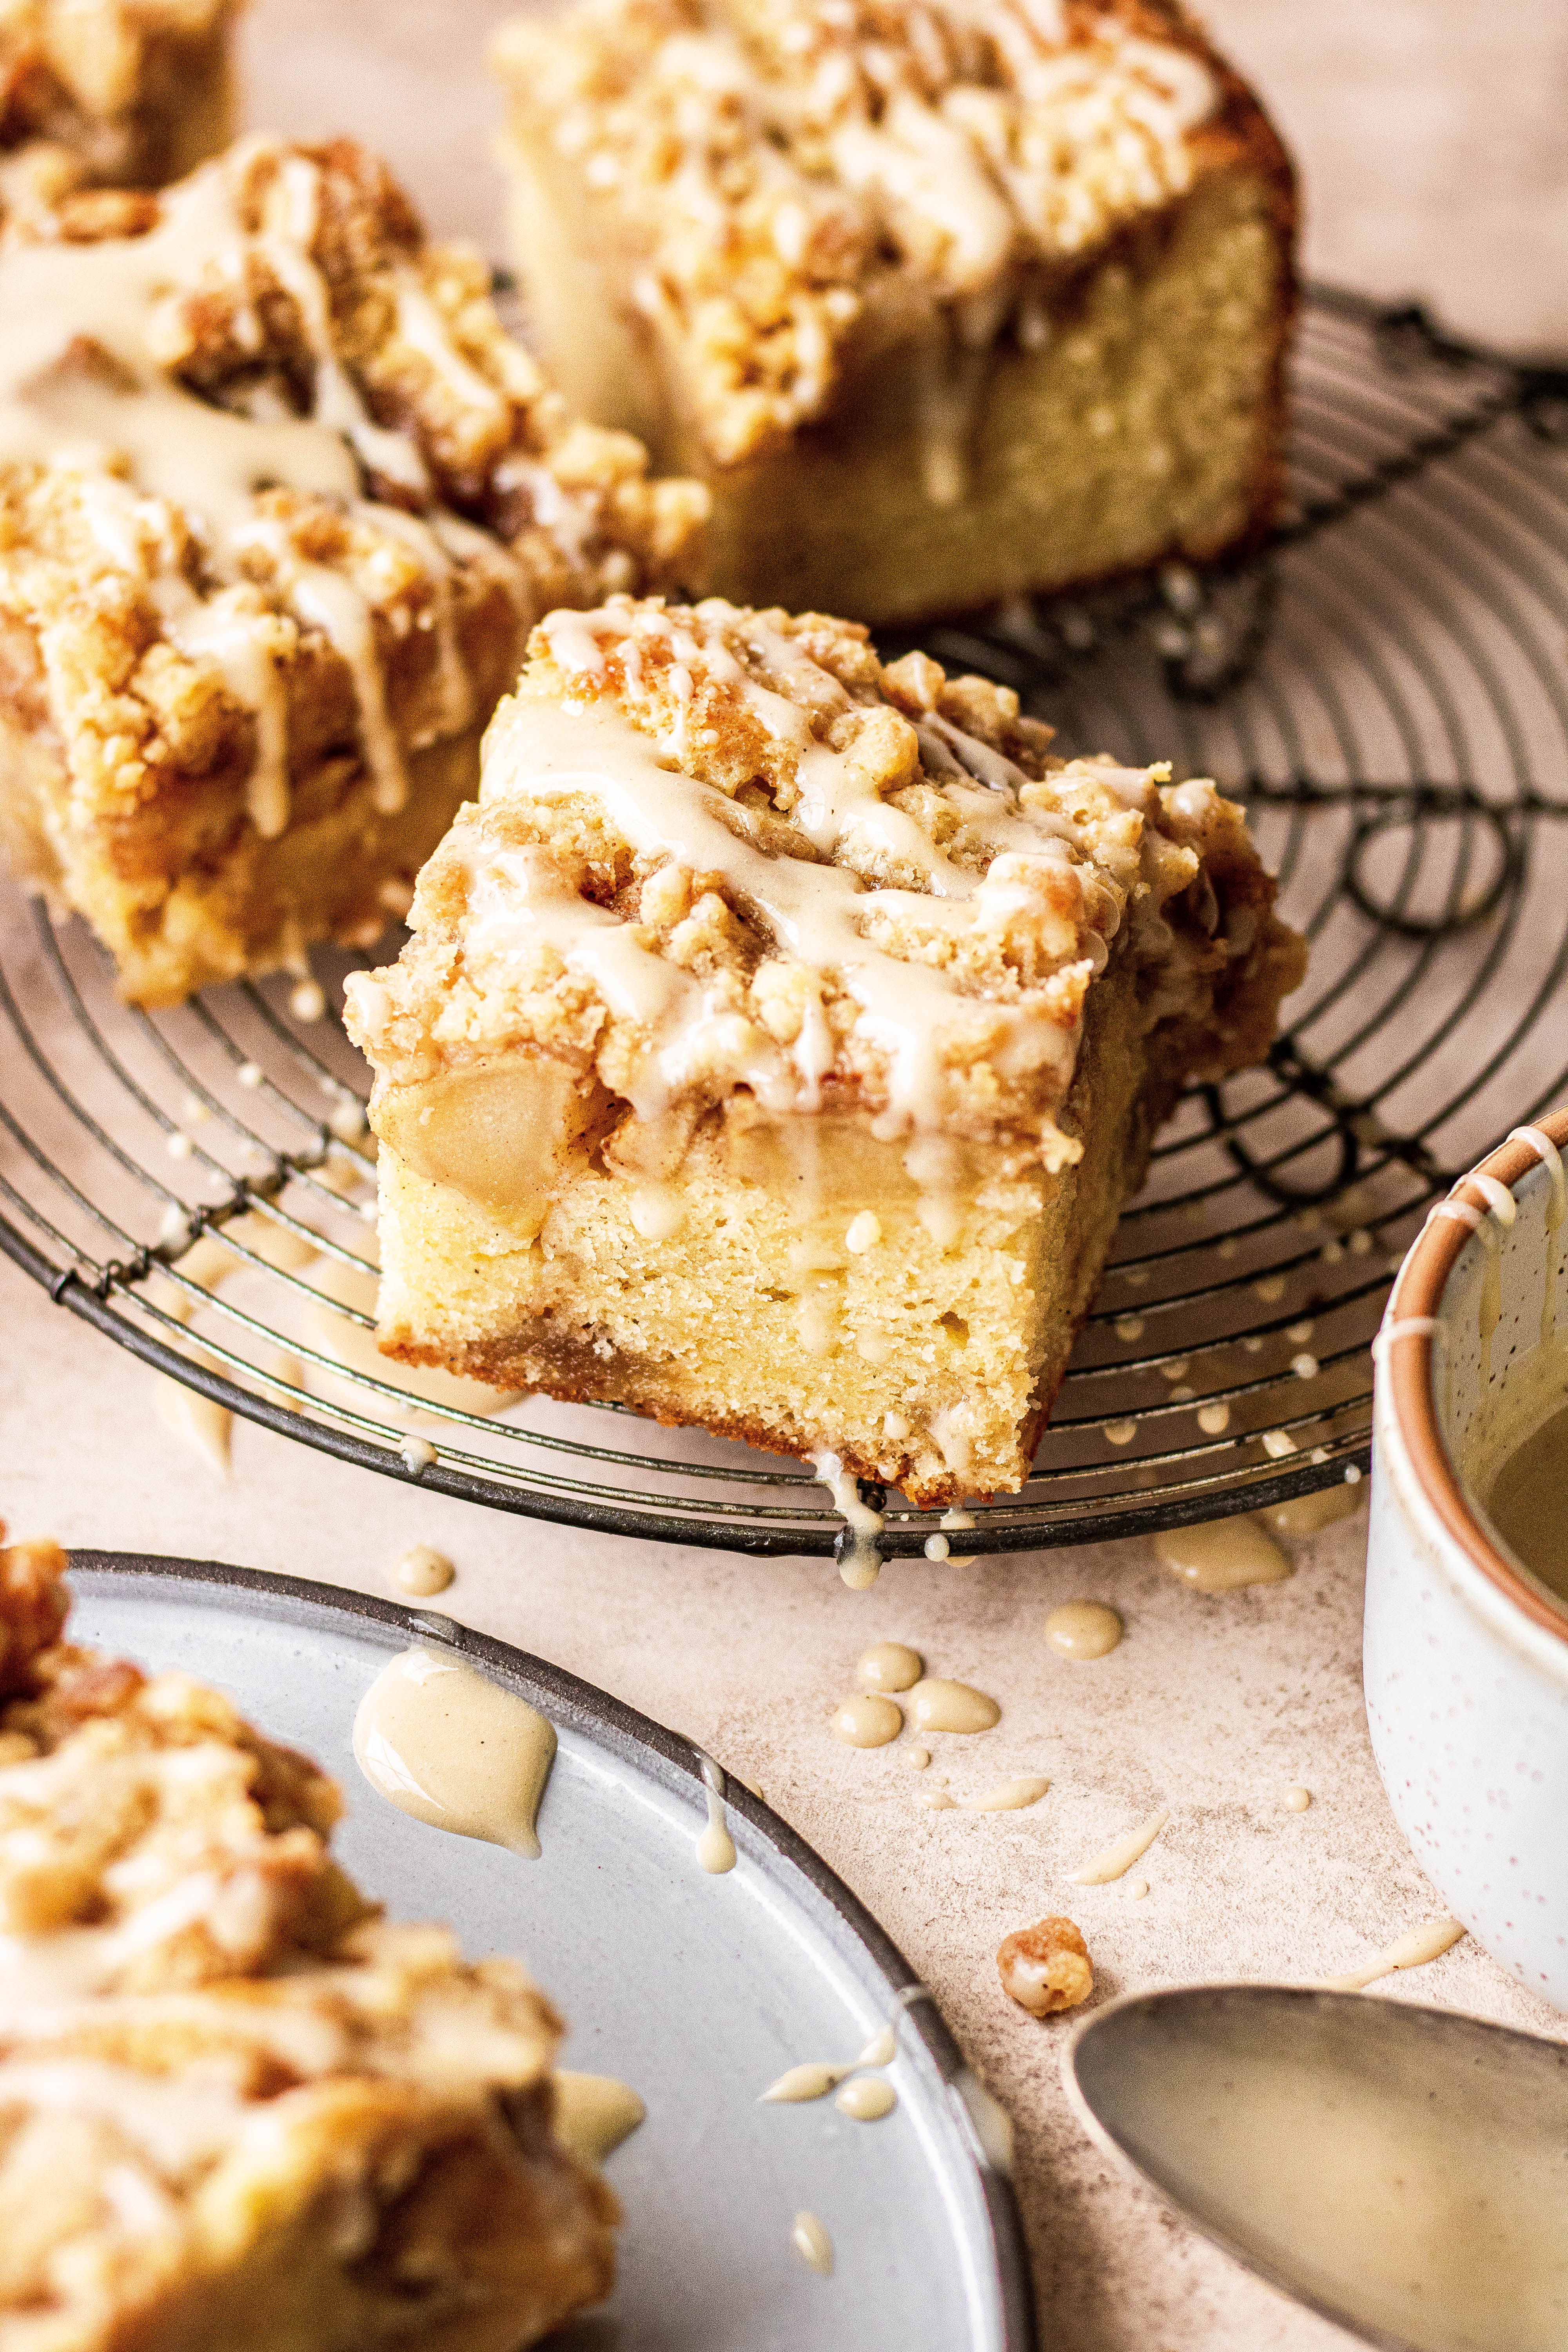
[1403, 2170]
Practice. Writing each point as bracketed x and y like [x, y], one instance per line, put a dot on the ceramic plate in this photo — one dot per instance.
[697, 1991]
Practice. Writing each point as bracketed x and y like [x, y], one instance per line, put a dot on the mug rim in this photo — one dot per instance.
[1408, 1371]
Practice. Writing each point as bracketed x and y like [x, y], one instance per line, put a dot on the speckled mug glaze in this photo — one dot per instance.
[1466, 1654]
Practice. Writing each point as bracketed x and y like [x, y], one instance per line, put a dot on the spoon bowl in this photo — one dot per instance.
[1403, 2170]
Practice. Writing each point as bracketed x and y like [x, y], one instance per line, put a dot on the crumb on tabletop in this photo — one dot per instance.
[1046, 1968]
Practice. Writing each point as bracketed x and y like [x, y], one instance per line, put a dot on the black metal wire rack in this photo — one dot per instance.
[1386, 687]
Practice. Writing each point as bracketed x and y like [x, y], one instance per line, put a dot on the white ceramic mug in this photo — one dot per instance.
[1466, 1654]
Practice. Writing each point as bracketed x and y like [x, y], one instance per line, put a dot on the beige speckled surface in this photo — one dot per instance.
[1212, 1706]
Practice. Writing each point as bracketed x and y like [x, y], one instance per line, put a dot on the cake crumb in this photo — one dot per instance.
[1046, 1968]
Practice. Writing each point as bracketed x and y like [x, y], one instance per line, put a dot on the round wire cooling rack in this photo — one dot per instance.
[1385, 686]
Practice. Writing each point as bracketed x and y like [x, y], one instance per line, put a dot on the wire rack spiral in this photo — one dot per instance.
[1386, 687]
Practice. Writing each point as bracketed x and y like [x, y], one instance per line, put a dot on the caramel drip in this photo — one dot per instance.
[455, 1749]
[1120, 1857]
[1408, 1951]
[547, 750]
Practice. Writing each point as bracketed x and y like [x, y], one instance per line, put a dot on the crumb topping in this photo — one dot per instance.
[148, 2138]
[90, 55]
[784, 175]
[279, 320]
[719, 849]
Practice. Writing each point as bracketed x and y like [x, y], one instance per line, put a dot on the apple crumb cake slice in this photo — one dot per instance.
[237, 2111]
[948, 304]
[781, 1034]
[278, 501]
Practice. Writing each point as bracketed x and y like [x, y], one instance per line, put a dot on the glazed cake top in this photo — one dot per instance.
[718, 849]
[262, 398]
[785, 169]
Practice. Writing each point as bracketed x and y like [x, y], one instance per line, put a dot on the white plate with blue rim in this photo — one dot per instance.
[697, 1988]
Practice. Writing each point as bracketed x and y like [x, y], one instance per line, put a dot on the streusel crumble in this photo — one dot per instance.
[134, 92]
[781, 1034]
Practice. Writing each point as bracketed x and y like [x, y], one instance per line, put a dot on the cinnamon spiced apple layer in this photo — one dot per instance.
[279, 500]
[946, 303]
[238, 2112]
[781, 1034]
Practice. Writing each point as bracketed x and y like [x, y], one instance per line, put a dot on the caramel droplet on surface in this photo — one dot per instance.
[797, 2083]
[812, 2244]
[1119, 1858]
[1221, 1555]
[869, 1720]
[939, 1706]
[423, 1572]
[1083, 1628]
[593, 2113]
[1305, 1515]
[890, 1667]
[867, 2099]
[1410, 1951]
[1011, 1797]
[917, 1758]
[455, 1749]
[205, 1427]
[1296, 1801]
[716, 1847]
